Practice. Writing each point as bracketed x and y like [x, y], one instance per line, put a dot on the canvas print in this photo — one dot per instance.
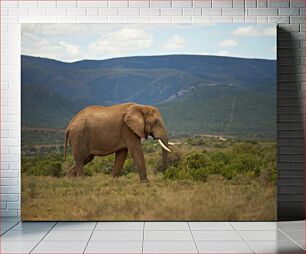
[150, 122]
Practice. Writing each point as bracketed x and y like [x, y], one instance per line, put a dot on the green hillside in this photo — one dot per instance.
[226, 110]
[42, 108]
[196, 94]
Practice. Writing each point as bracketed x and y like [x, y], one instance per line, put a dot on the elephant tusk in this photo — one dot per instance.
[171, 144]
[163, 146]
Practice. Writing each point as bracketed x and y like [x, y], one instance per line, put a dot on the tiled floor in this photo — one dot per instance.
[152, 237]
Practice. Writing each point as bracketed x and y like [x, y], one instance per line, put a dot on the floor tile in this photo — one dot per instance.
[166, 226]
[216, 236]
[223, 247]
[98, 236]
[167, 236]
[69, 236]
[9, 224]
[274, 235]
[169, 247]
[23, 236]
[4, 226]
[63, 226]
[296, 235]
[291, 225]
[17, 247]
[60, 247]
[276, 247]
[119, 226]
[3, 230]
[114, 247]
[253, 226]
[211, 226]
[33, 226]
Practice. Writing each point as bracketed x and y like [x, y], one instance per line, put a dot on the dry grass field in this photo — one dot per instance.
[208, 180]
[101, 197]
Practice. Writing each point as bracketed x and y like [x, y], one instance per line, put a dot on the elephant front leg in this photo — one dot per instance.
[137, 154]
[119, 161]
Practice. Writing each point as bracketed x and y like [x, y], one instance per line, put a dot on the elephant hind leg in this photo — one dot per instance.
[89, 159]
[79, 168]
[119, 161]
[72, 171]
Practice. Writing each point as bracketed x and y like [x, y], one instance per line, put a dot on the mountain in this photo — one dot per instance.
[195, 94]
[226, 110]
[42, 108]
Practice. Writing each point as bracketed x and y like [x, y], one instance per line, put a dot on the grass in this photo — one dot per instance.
[244, 190]
[102, 197]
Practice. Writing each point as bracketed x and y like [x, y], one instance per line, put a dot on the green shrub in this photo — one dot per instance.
[56, 169]
[268, 175]
[220, 157]
[100, 165]
[199, 174]
[174, 159]
[129, 167]
[196, 142]
[149, 147]
[197, 160]
[229, 171]
[247, 163]
[174, 173]
[216, 167]
[47, 168]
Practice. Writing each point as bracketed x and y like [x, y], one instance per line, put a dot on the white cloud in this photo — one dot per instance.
[218, 53]
[175, 42]
[44, 47]
[250, 31]
[70, 48]
[229, 43]
[222, 53]
[120, 42]
[112, 43]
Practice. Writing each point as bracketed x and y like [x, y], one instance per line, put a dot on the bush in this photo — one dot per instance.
[196, 142]
[174, 173]
[199, 174]
[149, 147]
[56, 169]
[100, 165]
[220, 157]
[247, 163]
[268, 175]
[174, 160]
[47, 168]
[129, 167]
[197, 160]
[229, 171]
[216, 167]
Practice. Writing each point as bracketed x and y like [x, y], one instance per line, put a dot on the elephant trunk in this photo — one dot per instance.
[161, 136]
[165, 150]
[164, 160]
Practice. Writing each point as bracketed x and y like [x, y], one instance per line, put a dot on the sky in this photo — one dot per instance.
[74, 42]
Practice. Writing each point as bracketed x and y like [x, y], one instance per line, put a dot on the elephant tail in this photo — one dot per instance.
[65, 145]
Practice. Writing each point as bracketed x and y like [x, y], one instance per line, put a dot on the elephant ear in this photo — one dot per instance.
[134, 119]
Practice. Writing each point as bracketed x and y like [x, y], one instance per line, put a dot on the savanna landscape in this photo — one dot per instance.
[221, 120]
[207, 179]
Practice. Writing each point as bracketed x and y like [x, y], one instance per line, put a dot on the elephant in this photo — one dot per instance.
[104, 130]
